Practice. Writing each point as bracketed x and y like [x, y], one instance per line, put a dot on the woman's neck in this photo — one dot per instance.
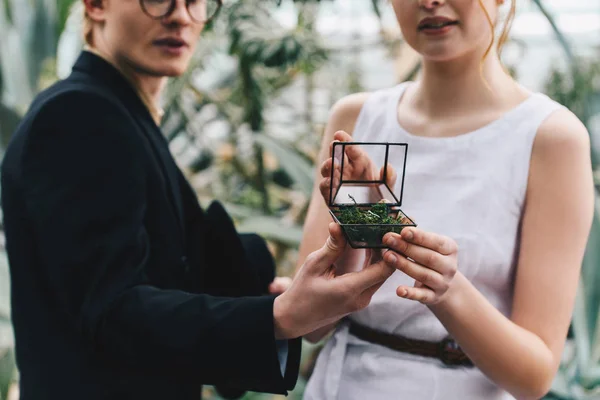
[447, 88]
[149, 88]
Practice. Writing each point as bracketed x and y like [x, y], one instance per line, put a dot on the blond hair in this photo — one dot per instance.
[505, 30]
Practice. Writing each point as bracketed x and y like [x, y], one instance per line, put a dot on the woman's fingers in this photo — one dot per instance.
[324, 186]
[421, 294]
[391, 176]
[438, 243]
[419, 254]
[342, 136]
[357, 164]
[280, 284]
[326, 168]
[362, 165]
[427, 276]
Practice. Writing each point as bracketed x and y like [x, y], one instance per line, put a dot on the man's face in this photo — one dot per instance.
[157, 47]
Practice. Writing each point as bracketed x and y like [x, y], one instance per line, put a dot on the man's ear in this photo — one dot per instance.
[95, 9]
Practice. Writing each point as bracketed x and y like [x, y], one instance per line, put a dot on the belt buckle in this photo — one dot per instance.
[449, 352]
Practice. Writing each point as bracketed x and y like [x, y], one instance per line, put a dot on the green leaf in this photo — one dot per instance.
[7, 371]
[295, 165]
[585, 316]
[590, 275]
[8, 11]
[237, 211]
[9, 120]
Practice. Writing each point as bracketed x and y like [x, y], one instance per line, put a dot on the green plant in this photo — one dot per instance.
[578, 88]
[579, 373]
[7, 361]
[30, 31]
[378, 214]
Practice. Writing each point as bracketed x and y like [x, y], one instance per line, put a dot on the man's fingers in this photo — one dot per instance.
[331, 250]
[372, 290]
[373, 275]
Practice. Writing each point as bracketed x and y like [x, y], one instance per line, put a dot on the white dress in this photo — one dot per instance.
[469, 187]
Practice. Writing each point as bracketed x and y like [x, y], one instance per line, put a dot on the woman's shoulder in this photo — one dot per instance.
[562, 131]
[346, 111]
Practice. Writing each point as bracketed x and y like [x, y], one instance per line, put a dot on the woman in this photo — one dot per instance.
[499, 181]
[123, 287]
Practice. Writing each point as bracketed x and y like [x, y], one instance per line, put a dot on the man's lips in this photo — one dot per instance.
[435, 23]
[171, 42]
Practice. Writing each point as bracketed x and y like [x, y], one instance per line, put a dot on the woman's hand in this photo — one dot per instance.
[429, 258]
[357, 166]
[280, 284]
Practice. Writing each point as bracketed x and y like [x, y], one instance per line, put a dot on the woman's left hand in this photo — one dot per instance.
[429, 258]
[280, 284]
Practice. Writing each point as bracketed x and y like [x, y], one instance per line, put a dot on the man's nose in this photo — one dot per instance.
[431, 4]
[180, 14]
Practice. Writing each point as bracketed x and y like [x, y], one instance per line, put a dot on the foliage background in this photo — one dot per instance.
[245, 122]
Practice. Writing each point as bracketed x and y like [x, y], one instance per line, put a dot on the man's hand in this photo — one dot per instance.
[318, 296]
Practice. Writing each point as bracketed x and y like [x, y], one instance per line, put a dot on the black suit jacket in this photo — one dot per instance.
[122, 286]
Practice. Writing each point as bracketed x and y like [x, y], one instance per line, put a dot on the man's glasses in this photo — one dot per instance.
[202, 11]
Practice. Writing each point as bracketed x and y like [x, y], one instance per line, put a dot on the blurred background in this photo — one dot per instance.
[245, 123]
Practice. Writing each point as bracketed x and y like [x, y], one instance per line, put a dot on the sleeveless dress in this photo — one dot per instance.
[469, 187]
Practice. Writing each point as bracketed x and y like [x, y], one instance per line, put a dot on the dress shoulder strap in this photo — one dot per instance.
[375, 112]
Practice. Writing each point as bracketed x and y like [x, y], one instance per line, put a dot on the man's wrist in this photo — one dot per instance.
[282, 319]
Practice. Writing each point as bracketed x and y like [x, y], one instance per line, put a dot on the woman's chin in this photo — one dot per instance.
[441, 56]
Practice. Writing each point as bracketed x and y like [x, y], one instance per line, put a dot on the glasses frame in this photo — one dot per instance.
[187, 5]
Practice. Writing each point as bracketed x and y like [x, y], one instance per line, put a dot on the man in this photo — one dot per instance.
[122, 286]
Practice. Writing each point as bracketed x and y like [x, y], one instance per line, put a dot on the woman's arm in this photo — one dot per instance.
[520, 354]
[343, 117]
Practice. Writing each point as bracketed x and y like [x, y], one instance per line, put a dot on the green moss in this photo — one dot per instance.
[378, 214]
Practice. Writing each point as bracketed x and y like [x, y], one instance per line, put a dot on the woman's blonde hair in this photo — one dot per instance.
[505, 30]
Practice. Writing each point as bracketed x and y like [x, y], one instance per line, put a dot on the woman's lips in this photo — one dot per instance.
[436, 25]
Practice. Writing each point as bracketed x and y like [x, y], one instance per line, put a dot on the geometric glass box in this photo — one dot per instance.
[364, 182]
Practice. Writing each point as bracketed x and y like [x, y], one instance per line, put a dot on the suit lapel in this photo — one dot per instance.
[167, 164]
[101, 73]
